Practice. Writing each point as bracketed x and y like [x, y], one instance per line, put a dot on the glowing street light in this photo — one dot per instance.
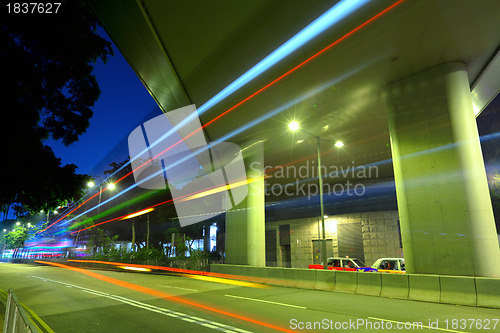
[111, 186]
[90, 184]
[18, 223]
[294, 126]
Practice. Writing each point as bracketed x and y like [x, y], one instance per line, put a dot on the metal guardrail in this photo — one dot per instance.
[16, 320]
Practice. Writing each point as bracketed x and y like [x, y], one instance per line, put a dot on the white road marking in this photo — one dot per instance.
[164, 285]
[270, 302]
[145, 306]
[432, 328]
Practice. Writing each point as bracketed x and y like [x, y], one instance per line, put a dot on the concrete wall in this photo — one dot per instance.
[460, 290]
[380, 236]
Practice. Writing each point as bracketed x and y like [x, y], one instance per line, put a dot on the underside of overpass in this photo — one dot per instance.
[398, 82]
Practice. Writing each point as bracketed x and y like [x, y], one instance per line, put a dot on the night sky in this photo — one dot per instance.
[124, 103]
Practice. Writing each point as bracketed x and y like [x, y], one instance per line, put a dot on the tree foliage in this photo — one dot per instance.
[16, 238]
[101, 242]
[48, 91]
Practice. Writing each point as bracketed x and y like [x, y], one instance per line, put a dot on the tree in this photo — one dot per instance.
[48, 91]
[16, 238]
[100, 242]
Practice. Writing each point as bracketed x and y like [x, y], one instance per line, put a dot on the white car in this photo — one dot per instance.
[392, 264]
[345, 262]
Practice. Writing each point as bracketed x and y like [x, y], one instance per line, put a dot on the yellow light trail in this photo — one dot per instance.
[139, 213]
[221, 188]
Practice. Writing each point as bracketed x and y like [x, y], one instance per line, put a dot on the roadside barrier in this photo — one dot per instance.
[346, 282]
[306, 278]
[369, 284]
[16, 320]
[424, 288]
[460, 290]
[325, 280]
[395, 286]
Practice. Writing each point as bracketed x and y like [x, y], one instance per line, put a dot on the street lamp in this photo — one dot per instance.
[294, 126]
[109, 186]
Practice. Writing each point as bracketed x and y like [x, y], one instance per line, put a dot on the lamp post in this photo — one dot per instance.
[109, 186]
[294, 126]
[91, 184]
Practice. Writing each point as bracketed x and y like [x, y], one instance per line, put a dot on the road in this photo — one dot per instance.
[108, 301]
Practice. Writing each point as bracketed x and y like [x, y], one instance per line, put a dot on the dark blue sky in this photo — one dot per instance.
[124, 103]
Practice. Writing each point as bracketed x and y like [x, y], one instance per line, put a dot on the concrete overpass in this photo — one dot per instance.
[391, 79]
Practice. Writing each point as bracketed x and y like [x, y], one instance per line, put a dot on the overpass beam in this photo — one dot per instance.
[445, 211]
[245, 223]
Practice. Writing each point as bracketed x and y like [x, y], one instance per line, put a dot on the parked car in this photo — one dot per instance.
[339, 263]
[391, 265]
[344, 264]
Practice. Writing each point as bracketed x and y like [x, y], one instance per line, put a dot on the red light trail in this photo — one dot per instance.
[164, 295]
[300, 65]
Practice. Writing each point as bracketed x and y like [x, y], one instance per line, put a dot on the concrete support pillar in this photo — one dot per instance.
[245, 223]
[447, 223]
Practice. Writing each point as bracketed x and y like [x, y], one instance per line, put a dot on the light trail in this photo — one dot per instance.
[217, 188]
[139, 213]
[266, 86]
[332, 16]
[165, 296]
[64, 215]
[300, 65]
[127, 203]
[254, 122]
[145, 306]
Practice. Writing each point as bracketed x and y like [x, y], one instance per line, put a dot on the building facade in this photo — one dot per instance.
[367, 236]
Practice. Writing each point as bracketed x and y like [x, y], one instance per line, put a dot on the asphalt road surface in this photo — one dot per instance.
[106, 301]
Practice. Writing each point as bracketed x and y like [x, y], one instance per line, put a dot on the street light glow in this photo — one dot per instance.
[90, 184]
[339, 144]
[111, 186]
[18, 223]
[56, 212]
[293, 126]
